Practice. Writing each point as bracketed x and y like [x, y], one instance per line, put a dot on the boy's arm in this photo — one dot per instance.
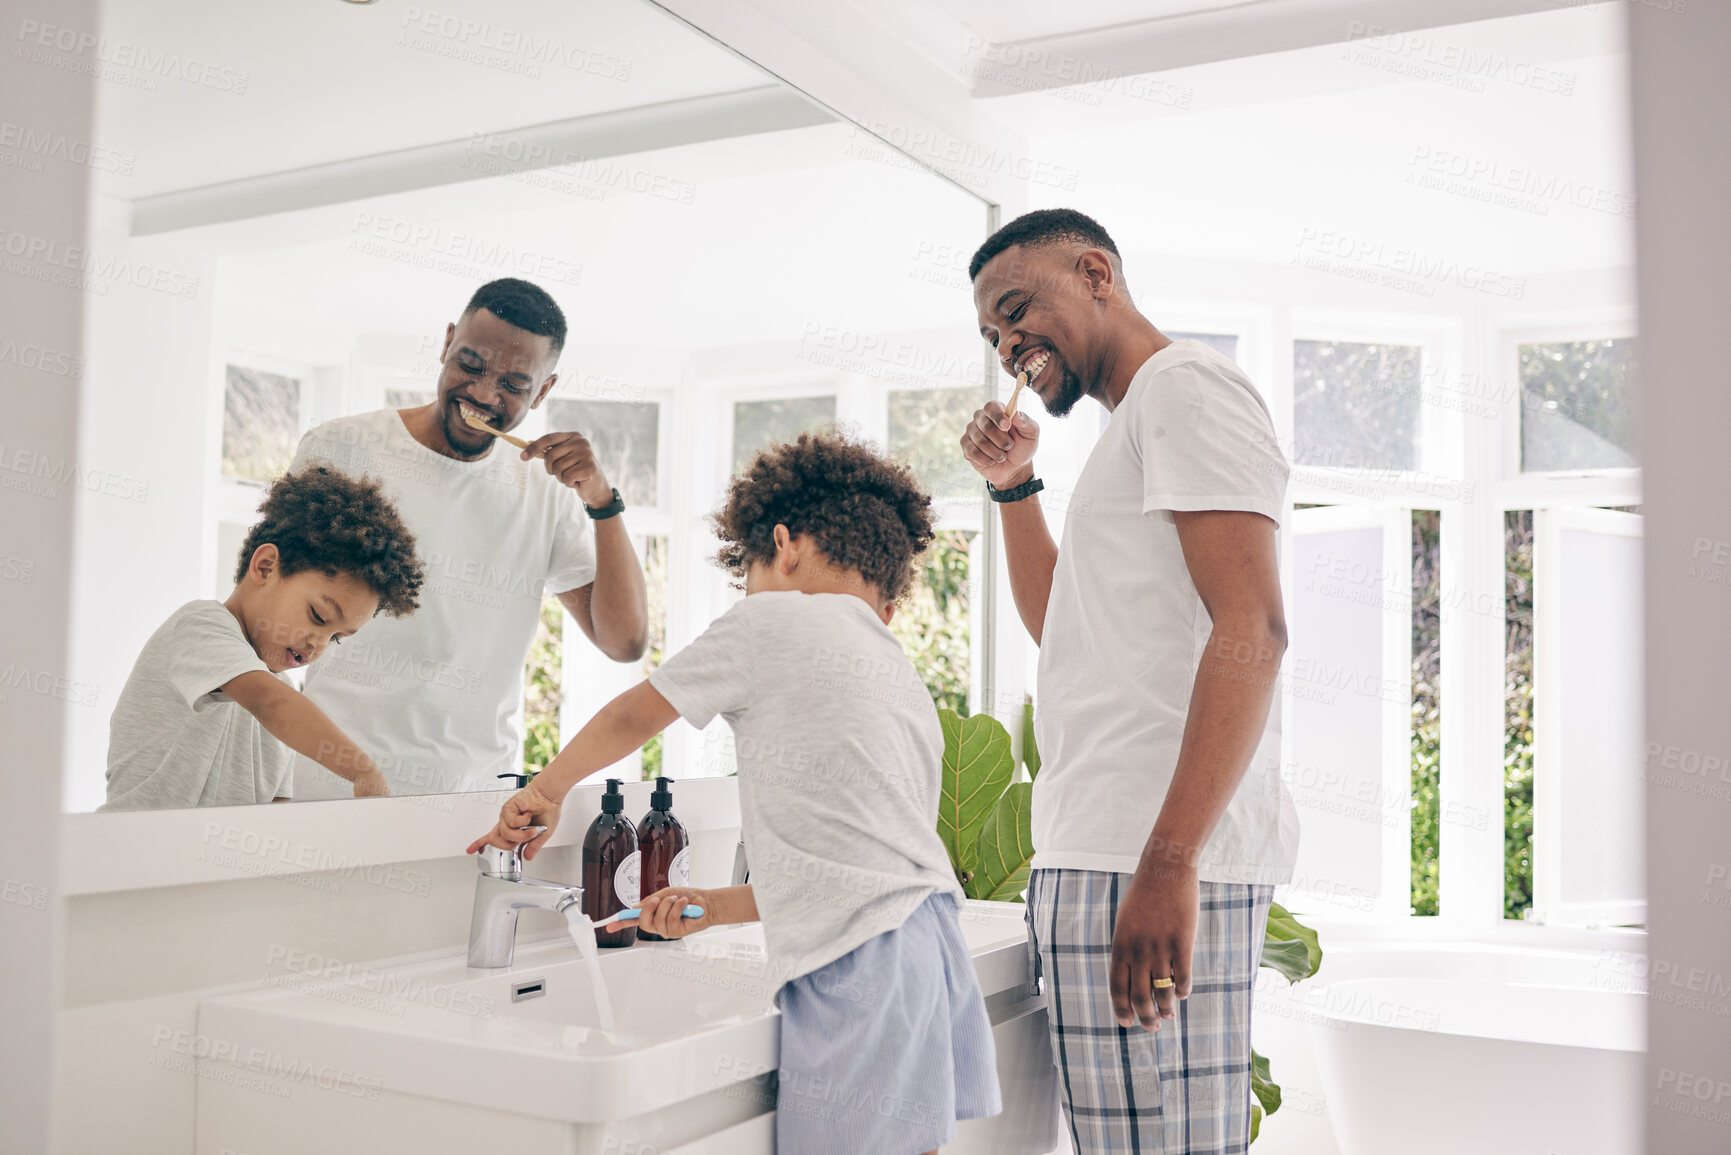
[622, 726]
[293, 719]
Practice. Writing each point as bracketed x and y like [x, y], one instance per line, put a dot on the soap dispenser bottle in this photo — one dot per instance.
[665, 846]
[610, 868]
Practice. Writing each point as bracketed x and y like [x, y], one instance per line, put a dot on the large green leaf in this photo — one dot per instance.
[1030, 751]
[1006, 848]
[1267, 1093]
[1280, 947]
[977, 767]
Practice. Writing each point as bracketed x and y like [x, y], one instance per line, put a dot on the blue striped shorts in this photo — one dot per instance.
[884, 1049]
[1184, 1090]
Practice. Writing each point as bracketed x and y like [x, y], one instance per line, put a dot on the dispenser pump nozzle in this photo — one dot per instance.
[661, 798]
[613, 802]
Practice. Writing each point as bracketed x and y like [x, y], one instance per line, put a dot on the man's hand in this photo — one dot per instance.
[523, 811]
[1001, 450]
[570, 458]
[1153, 939]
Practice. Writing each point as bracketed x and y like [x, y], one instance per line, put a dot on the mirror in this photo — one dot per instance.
[289, 215]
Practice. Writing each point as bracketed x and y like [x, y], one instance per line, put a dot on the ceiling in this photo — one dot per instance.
[1008, 21]
[288, 86]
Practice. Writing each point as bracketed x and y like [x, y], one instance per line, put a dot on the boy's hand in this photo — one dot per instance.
[527, 808]
[1001, 451]
[661, 912]
[371, 784]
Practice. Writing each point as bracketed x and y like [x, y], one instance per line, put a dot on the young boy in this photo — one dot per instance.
[205, 718]
[885, 1042]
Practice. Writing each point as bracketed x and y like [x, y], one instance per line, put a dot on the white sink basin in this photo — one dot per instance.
[431, 1054]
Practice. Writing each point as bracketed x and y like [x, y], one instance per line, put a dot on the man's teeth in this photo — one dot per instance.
[1034, 364]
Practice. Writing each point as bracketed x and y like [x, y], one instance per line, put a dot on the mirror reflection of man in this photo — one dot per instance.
[437, 698]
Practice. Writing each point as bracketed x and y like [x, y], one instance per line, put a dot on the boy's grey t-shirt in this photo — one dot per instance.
[176, 740]
[840, 761]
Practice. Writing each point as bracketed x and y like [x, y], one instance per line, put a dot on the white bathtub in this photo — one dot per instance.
[1470, 1049]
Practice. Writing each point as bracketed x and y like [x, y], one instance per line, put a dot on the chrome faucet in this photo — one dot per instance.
[500, 892]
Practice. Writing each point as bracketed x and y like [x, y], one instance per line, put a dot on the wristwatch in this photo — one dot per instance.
[612, 509]
[1027, 489]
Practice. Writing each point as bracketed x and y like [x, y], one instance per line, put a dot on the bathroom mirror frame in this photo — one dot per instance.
[132, 850]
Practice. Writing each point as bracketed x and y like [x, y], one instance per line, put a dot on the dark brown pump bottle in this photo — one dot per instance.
[610, 868]
[662, 840]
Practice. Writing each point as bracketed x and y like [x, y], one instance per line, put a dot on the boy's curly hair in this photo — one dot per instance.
[321, 519]
[866, 513]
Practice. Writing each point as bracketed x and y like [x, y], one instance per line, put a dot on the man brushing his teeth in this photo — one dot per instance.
[1160, 821]
[442, 693]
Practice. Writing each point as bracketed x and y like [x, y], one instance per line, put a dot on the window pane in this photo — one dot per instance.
[1426, 708]
[407, 398]
[932, 625]
[1578, 405]
[1517, 713]
[1355, 406]
[925, 427]
[260, 417]
[758, 423]
[625, 435]
[1226, 343]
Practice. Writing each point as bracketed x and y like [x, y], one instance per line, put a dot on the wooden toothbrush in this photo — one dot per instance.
[1010, 409]
[477, 423]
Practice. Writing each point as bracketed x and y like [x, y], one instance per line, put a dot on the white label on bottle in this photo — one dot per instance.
[627, 880]
[679, 872]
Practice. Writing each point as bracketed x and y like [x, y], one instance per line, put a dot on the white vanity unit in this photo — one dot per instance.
[429, 1054]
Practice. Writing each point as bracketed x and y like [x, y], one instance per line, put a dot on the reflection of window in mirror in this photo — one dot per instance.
[407, 398]
[1356, 405]
[922, 429]
[260, 423]
[1577, 405]
[625, 435]
[759, 423]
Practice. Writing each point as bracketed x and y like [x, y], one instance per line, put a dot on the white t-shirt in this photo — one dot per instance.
[840, 760]
[436, 698]
[1125, 628]
[175, 739]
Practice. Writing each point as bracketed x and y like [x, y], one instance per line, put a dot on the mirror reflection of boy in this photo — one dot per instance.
[206, 717]
[885, 1043]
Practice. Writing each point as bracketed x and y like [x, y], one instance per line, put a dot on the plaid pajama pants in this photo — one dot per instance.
[1185, 1090]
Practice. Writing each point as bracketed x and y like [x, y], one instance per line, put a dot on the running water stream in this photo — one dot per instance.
[583, 936]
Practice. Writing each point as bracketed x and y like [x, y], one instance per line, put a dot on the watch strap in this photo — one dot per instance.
[1027, 489]
[612, 509]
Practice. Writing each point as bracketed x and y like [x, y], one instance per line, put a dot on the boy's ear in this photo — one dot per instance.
[786, 555]
[887, 611]
[265, 562]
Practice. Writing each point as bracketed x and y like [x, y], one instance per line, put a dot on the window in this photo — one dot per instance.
[407, 398]
[260, 424]
[1577, 405]
[1356, 405]
[758, 423]
[626, 437]
[1226, 343]
[925, 427]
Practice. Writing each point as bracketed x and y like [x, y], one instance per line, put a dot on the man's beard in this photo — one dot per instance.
[1069, 392]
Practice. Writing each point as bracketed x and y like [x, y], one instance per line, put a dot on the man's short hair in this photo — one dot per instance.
[1043, 227]
[524, 305]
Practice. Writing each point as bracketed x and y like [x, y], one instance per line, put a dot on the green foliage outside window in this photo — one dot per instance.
[541, 695]
[1426, 709]
[932, 625]
[1518, 714]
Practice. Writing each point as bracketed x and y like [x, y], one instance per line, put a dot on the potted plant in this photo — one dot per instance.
[983, 819]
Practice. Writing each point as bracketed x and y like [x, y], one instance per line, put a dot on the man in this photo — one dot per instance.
[1160, 821]
[436, 698]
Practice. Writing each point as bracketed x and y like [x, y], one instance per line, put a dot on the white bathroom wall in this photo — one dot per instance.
[42, 202]
[1684, 178]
